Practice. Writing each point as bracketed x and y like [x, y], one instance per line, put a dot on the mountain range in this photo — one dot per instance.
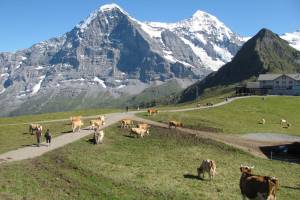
[111, 56]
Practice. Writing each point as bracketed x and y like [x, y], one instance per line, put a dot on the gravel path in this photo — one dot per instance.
[249, 143]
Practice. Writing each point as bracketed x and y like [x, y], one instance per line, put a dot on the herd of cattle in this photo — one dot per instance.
[252, 186]
[283, 122]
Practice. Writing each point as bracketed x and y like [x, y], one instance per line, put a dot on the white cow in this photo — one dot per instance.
[98, 136]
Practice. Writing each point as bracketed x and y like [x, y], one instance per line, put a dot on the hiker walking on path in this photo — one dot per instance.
[48, 137]
[39, 136]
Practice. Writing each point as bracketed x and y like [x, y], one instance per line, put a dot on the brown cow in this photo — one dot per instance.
[139, 132]
[208, 166]
[75, 118]
[101, 117]
[256, 186]
[34, 127]
[175, 124]
[76, 125]
[152, 111]
[143, 126]
[125, 123]
[96, 123]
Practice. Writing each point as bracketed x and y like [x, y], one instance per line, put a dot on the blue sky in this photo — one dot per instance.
[25, 22]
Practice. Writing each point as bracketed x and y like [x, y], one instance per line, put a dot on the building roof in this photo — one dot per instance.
[268, 77]
[294, 76]
[271, 77]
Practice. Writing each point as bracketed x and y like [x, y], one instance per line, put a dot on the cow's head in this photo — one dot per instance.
[246, 169]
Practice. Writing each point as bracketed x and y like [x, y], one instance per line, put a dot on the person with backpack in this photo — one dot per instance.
[48, 137]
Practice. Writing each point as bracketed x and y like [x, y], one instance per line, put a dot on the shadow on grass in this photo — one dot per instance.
[67, 131]
[191, 176]
[129, 136]
[292, 188]
[91, 141]
[34, 145]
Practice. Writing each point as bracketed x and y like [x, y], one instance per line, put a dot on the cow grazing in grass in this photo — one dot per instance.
[126, 123]
[284, 123]
[139, 132]
[256, 186]
[208, 166]
[262, 121]
[96, 123]
[34, 127]
[98, 136]
[143, 126]
[175, 124]
[152, 111]
[76, 125]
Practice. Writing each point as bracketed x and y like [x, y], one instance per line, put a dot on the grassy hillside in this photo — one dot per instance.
[161, 166]
[242, 116]
[156, 95]
[16, 136]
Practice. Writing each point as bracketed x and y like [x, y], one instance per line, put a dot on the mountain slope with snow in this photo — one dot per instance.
[211, 41]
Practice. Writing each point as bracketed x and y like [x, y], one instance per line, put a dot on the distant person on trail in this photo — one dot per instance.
[39, 136]
[127, 108]
[48, 137]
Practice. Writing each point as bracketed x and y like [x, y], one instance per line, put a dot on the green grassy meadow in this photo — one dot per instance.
[160, 166]
[241, 116]
[17, 136]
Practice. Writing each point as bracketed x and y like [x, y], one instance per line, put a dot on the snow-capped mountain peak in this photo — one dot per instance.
[208, 37]
[202, 21]
[103, 9]
[109, 7]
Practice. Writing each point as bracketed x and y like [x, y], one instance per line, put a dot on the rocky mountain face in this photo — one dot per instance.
[266, 52]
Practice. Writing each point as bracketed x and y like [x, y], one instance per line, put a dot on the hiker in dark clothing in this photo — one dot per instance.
[48, 137]
[127, 108]
[39, 136]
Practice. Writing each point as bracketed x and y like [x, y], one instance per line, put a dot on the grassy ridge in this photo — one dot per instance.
[242, 116]
[162, 166]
